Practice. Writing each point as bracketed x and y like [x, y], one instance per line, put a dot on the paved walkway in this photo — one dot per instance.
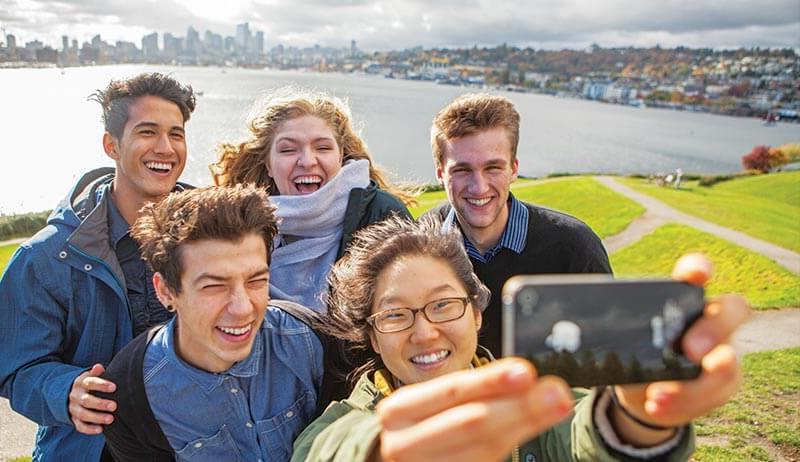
[658, 213]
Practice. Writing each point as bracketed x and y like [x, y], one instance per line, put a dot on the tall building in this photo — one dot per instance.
[150, 45]
[11, 43]
[64, 43]
[192, 42]
[230, 43]
[243, 37]
[212, 41]
[172, 45]
[258, 45]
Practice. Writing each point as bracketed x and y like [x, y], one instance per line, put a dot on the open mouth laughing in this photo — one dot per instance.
[159, 167]
[307, 184]
[236, 332]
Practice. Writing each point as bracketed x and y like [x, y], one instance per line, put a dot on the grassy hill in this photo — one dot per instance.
[764, 206]
[763, 282]
[782, 187]
[5, 254]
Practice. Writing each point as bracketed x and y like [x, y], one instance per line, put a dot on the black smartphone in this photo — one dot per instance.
[596, 330]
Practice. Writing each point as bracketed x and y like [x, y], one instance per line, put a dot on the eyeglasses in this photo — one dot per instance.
[437, 311]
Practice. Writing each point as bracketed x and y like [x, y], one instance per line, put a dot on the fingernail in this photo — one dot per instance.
[518, 374]
[657, 402]
[554, 396]
[651, 407]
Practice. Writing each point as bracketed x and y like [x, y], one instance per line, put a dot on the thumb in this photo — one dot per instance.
[694, 268]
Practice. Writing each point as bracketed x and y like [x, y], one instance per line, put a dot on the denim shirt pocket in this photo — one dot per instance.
[280, 431]
[219, 446]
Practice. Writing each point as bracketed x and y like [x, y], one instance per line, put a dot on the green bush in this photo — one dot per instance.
[13, 226]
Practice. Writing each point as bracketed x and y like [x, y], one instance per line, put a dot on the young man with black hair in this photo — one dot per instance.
[75, 293]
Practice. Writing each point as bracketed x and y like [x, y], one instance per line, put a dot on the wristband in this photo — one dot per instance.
[615, 400]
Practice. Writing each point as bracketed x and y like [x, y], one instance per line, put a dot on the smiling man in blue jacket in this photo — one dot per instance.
[75, 293]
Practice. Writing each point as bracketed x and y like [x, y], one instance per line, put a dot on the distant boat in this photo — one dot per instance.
[199, 93]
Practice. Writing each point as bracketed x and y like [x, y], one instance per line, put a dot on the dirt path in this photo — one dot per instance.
[658, 213]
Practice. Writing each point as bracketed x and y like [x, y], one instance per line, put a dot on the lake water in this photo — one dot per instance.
[50, 133]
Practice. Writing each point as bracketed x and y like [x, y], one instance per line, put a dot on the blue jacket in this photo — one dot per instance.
[64, 308]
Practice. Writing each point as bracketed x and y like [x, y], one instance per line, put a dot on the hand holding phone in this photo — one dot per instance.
[594, 330]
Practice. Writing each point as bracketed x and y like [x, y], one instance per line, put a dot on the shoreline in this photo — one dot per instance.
[507, 88]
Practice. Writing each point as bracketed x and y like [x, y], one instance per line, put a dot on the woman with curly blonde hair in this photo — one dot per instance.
[304, 148]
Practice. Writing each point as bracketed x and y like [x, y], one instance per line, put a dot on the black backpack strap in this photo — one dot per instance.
[334, 383]
[135, 433]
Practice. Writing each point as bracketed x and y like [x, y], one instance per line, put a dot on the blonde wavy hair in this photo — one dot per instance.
[246, 162]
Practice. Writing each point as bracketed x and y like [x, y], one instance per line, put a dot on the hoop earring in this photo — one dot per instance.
[170, 308]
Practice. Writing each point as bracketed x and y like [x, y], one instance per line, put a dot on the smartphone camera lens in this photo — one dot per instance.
[527, 300]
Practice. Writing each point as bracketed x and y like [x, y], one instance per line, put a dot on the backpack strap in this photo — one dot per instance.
[135, 433]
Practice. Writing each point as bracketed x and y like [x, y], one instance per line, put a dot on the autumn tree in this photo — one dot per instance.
[758, 159]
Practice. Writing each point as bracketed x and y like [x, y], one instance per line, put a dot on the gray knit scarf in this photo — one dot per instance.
[309, 233]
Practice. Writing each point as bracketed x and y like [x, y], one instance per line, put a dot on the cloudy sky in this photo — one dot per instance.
[397, 24]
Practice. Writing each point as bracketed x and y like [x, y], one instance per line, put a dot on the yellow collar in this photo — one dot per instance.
[384, 380]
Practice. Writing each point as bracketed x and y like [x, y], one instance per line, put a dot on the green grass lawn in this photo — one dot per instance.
[762, 422]
[605, 211]
[737, 270]
[5, 254]
[764, 206]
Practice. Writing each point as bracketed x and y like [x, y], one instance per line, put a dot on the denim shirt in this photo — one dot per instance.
[251, 412]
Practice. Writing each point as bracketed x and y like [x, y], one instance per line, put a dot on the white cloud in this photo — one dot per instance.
[400, 24]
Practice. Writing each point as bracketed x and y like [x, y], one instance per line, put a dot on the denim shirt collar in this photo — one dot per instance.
[514, 236]
[207, 381]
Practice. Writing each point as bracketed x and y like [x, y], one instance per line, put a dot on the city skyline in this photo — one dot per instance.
[378, 25]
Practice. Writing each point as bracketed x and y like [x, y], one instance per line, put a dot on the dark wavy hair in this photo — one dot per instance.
[118, 96]
[223, 213]
[374, 248]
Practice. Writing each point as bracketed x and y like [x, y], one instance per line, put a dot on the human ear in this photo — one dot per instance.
[163, 292]
[110, 145]
[514, 169]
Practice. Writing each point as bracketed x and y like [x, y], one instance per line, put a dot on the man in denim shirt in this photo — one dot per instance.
[74, 294]
[229, 377]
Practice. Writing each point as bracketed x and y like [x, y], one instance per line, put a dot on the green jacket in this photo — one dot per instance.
[348, 429]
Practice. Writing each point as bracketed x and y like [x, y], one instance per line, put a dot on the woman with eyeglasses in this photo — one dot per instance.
[407, 293]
